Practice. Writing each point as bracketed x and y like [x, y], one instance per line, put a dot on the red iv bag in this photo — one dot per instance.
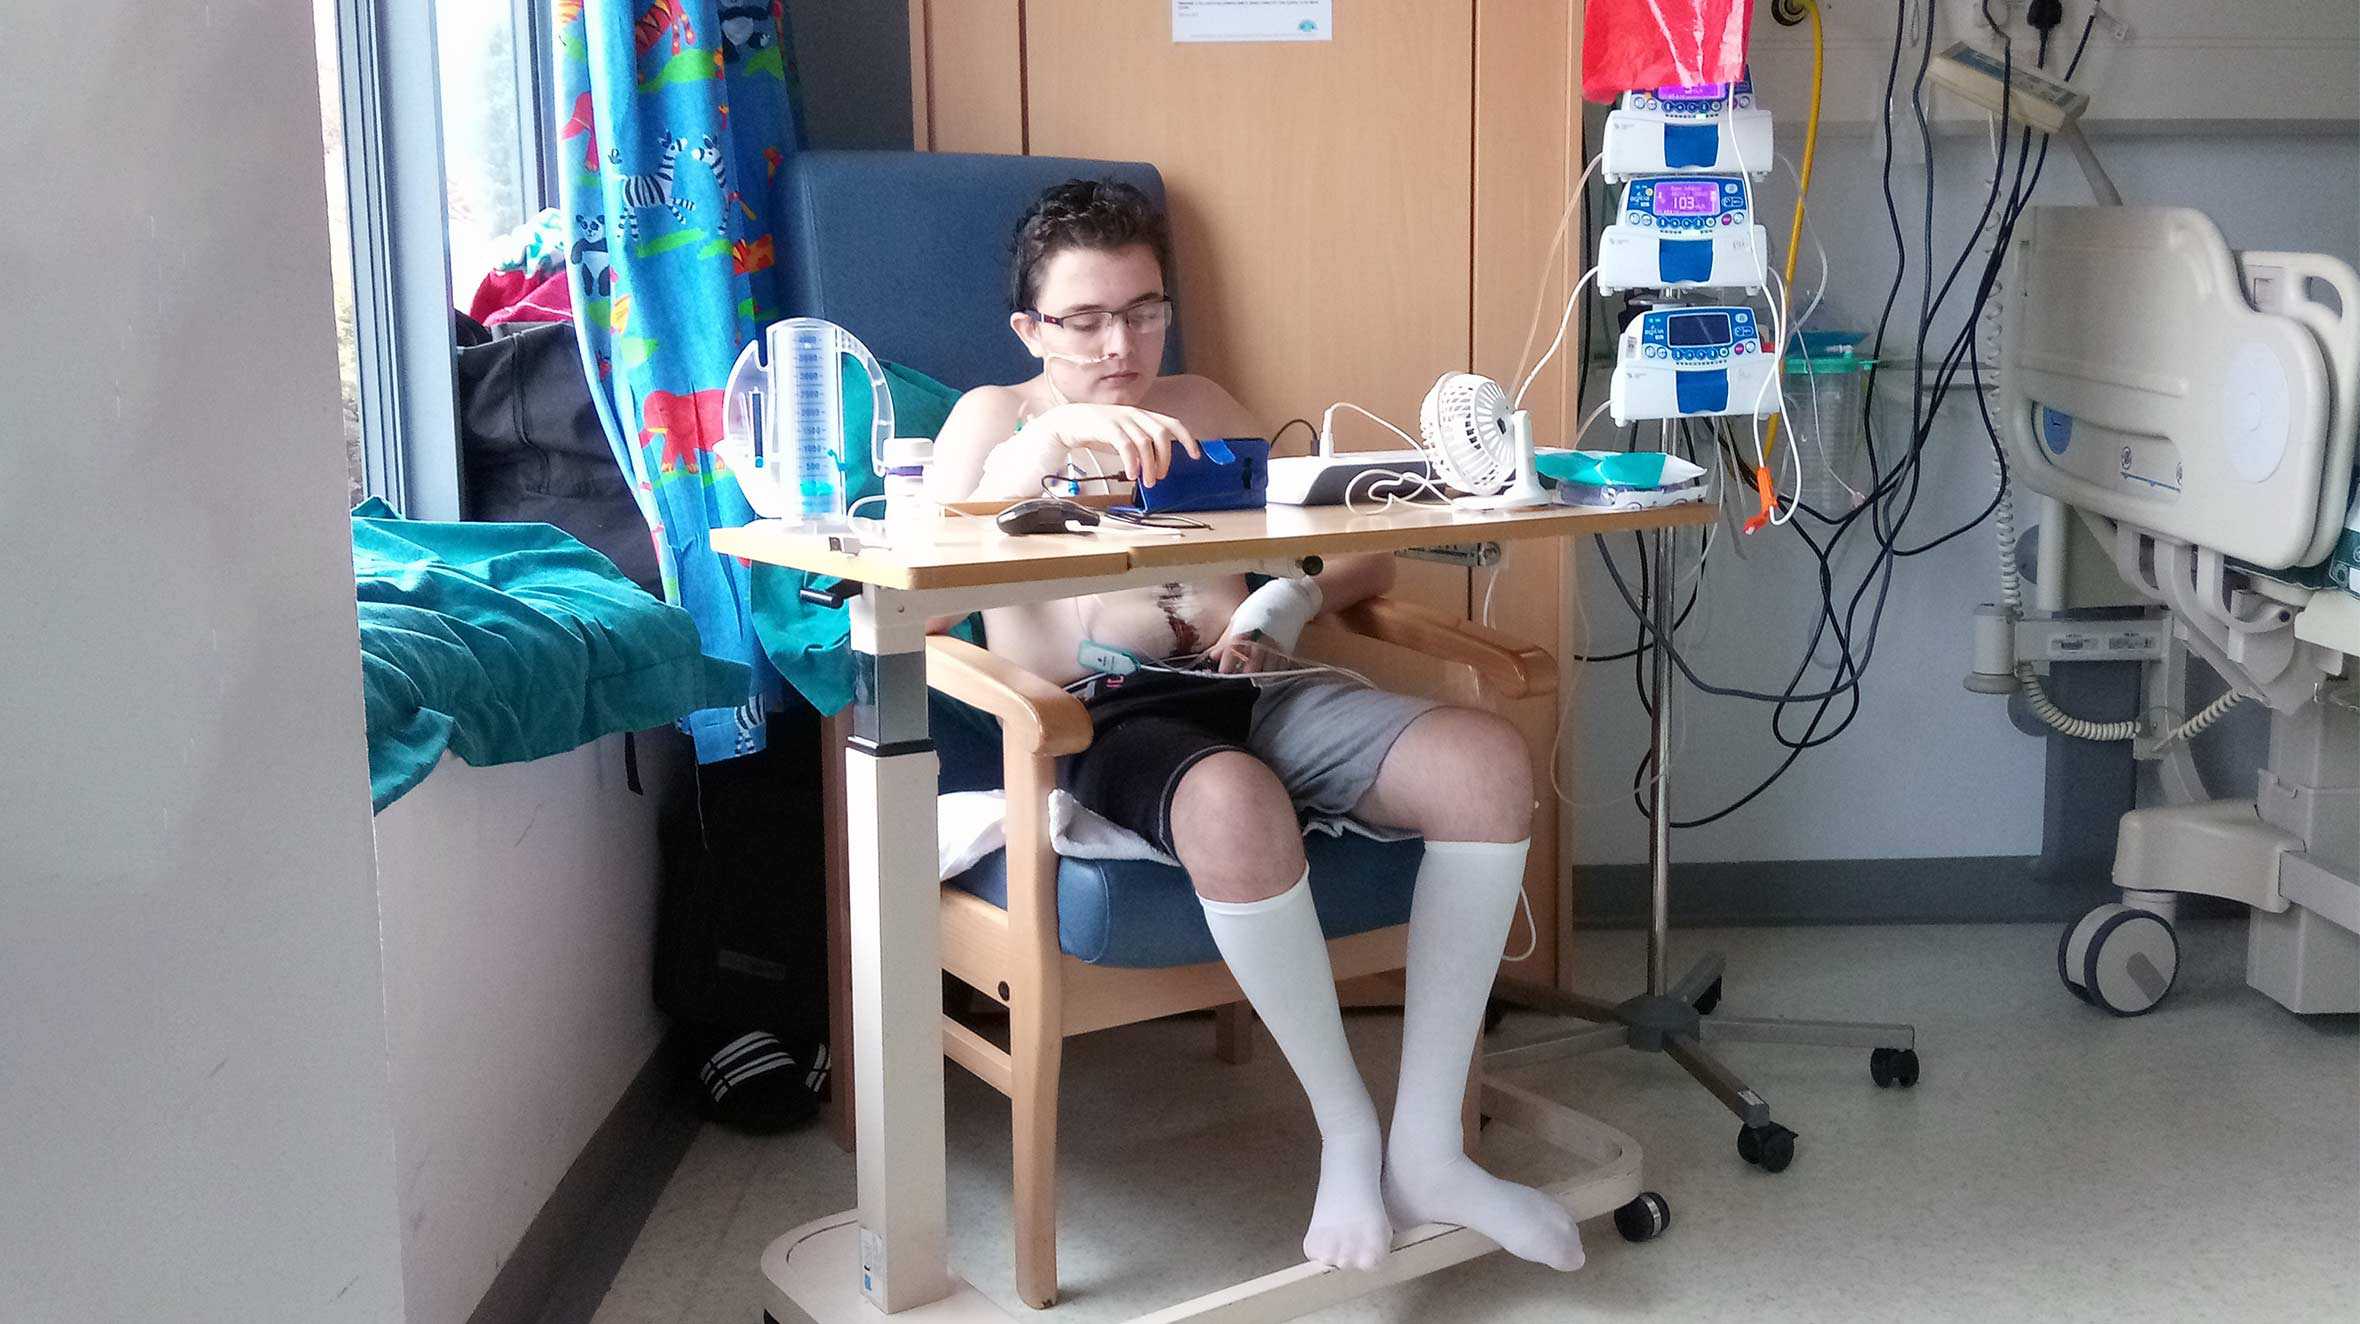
[1631, 44]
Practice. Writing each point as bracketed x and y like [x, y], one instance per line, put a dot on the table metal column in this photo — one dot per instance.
[896, 937]
[1659, 821]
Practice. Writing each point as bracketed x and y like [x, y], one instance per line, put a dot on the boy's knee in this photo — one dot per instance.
[1234, 829]
[1459, 774]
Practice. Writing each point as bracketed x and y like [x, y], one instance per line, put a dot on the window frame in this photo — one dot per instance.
[390, 88]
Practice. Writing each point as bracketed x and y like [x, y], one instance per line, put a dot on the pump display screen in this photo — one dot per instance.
[1689, 330]
[1698, 92]
[1687, 198]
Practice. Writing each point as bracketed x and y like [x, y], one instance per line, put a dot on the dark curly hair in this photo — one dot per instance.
[1099, 215]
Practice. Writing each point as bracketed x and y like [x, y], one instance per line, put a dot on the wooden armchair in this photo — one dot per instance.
[1012, 954]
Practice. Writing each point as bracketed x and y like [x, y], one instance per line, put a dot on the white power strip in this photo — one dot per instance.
[1325, 480]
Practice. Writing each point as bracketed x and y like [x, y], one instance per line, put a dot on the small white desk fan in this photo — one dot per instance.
[1480, 444]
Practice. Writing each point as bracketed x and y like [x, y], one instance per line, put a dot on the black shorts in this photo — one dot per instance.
[1151, 728]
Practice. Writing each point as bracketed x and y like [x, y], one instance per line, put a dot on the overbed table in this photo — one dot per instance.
[888, 1256]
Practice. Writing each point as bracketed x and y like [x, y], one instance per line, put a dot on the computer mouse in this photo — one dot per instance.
[1044, 515]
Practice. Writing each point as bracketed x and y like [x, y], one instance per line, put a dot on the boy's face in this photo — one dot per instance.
[1086, 284]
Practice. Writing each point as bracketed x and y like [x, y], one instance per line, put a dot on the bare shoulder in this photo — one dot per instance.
[986, 411]
[1204, 405]
[981, 420]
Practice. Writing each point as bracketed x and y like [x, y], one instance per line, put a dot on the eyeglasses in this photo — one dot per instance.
[1141, 318]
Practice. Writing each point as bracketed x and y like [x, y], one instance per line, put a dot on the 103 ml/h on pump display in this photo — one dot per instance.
[1683, 232]
[783, 421]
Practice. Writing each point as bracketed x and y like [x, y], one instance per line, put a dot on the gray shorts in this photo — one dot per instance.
[1324, 736]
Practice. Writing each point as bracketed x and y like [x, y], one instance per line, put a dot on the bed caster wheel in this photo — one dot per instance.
[1643, 1219]
[2120, 958]
[1770, 1148]
[2065, 974]
[1709, 999]
[1893, 1066]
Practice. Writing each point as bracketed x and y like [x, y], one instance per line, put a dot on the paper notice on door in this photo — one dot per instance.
[1253, 20]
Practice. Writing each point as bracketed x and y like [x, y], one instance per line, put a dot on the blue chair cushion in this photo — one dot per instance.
[909, 251]
[1140, 915]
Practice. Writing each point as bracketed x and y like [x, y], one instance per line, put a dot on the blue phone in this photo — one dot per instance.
[1233, 475]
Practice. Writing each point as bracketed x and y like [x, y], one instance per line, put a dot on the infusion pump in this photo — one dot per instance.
[1666, 130]
[1677, 361]
[1684, 232]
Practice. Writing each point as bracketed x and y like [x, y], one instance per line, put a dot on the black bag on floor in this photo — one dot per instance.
[741, 935]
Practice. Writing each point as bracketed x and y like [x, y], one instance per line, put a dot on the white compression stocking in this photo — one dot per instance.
[1275, 949]
[1458, 927]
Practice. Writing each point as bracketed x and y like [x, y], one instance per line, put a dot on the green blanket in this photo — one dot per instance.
[509, 642]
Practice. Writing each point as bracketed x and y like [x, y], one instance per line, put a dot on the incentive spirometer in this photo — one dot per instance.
[783, 422]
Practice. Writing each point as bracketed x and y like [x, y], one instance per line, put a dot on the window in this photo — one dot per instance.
[459, 93]
[340, 240]
[491, 172]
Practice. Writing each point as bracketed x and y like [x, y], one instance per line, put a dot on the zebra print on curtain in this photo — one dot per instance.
[676, 116]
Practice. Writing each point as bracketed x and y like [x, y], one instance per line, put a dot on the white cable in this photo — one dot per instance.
[1559, 340]
[1773, 378]
[2003, 528]
[1778, 314]
[1817, 436]
[2213, 712]
[1301, 667]
[1406, 489]
[1327, 427]
[1583, 430]
[2036, 696]
[1531, 926]
[1540, 290]
[1581, 611]
[2037, 699]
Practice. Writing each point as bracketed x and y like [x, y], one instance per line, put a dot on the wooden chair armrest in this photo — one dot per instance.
[1508, 667]
[1035, 716]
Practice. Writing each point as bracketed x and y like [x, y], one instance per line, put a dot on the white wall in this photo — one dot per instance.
[520, 919]
[1928, 769]
[194, 1121]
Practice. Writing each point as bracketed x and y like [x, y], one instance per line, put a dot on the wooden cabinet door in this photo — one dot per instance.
[1320, 190]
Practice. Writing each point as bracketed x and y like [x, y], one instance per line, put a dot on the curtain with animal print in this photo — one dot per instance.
[678, 115]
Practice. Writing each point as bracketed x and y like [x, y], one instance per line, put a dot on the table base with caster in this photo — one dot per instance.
[1679, 1023]
[1677, 1020]
[813, 1273]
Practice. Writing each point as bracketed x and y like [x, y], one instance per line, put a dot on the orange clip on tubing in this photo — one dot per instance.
[1769, 494]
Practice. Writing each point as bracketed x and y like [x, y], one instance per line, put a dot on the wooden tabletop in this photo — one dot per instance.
[967, 552]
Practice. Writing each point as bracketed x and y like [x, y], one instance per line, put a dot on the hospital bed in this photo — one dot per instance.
[2194, 409]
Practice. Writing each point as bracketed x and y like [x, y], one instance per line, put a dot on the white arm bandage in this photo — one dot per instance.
[1014, 468]
[1279, 610]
